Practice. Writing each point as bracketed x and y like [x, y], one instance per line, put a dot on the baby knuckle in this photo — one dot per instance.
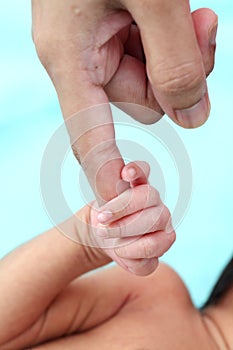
[154, 194]
[166, 213]
[172, 238]
[157, 218]
[161, 218]
[148, 248]
[165, 217]
[122, 252]
[121, 230]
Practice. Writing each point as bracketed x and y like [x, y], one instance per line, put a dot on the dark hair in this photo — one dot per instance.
[225, 282]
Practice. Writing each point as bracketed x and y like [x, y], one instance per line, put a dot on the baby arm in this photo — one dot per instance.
[32, 277]
[42, 297]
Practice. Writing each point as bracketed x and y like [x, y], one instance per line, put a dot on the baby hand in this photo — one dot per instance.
[135, 228]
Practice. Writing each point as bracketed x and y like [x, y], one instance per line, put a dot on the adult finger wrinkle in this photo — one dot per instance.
[183, 82]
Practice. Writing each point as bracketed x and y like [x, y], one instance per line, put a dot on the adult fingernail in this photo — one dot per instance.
[196, 115]
[102, 231]
[104, 216]
[212, 34]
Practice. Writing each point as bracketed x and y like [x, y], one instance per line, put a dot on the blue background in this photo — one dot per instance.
[30, 114]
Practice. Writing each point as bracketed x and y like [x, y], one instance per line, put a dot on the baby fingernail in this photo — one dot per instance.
[104, 216]
[102, 231]
[131, 172]
[196, 115]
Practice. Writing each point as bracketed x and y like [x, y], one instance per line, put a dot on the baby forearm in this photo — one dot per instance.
[34, 274]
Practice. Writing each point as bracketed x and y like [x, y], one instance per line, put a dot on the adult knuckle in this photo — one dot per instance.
[48, 46]
[75, 151]
[177, 79]
[45, 51]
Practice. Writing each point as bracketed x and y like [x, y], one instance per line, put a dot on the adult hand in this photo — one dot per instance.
[94, 53]
[87, 46]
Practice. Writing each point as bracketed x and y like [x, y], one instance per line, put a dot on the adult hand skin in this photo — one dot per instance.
[94, 53]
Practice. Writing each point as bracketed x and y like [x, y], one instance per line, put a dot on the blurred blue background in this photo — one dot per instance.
[30, 114]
